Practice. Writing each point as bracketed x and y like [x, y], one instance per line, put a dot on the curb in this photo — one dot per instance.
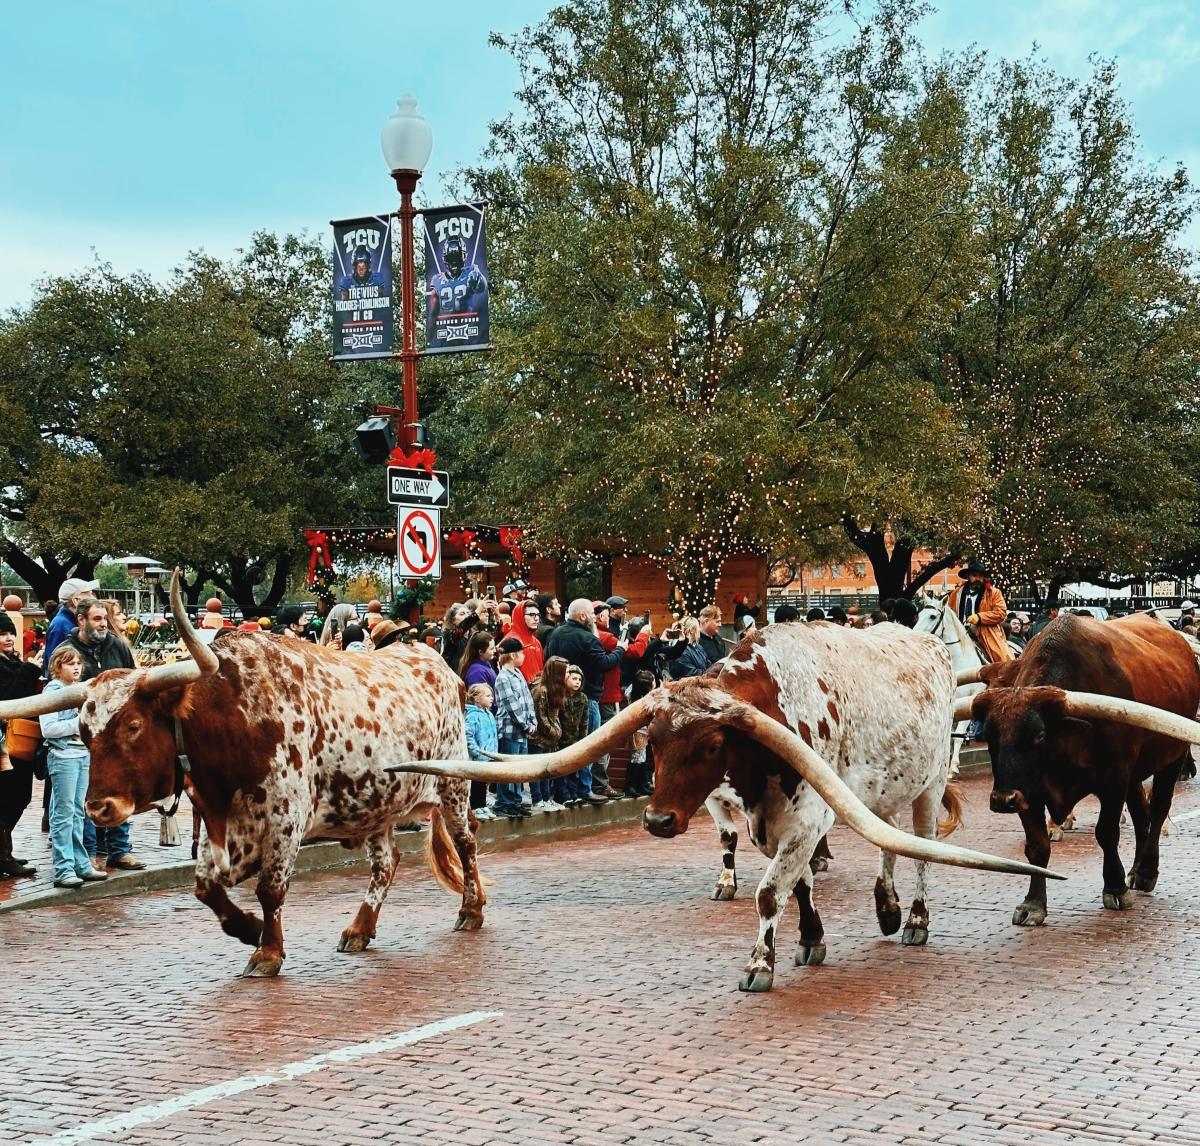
[493, 836]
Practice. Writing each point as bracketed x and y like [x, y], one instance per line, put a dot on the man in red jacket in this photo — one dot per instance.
[613, 695]
[525, 619]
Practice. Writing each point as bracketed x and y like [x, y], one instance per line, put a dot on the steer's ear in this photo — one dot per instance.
[169, 702]
[999, 674]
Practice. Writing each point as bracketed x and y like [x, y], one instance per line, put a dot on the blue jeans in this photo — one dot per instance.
[508, 796]
[111, 842]
[69, 776]
[539, 789]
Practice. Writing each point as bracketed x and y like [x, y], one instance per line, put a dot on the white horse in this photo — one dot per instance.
[936, 617]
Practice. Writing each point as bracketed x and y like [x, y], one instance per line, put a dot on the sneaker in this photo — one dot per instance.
[596, 798]
[72, 882]
[554, 806]
[92, 875]
[127, 862]
[484, 814]
[610, 793]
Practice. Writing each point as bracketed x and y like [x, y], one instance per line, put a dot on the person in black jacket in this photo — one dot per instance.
[18, 679]
[710, 634]
[577, 643]
[102, 650]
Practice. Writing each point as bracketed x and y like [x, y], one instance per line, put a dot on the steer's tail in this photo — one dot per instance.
[443, 855]
[954, 808]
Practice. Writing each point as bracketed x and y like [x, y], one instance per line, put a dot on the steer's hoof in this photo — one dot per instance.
[819, 863]
[1029, 914]
[262, 967]
[351, 941]
[810, 954]
[915, 936]
[1056, 834]
[1118, 900]
[724, 891]
[756, 981]
[1142, 882]
[466, 922]
[889, 919]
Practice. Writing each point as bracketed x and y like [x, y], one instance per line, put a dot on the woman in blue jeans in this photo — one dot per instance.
[68, 765]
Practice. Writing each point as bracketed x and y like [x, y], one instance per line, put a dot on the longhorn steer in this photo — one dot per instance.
[283, 739]
[1087, 711]
[802, 721]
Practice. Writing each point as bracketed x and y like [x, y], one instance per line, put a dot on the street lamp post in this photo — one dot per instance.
[407, 142]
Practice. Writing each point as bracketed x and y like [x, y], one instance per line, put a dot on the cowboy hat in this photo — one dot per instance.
[973, 567]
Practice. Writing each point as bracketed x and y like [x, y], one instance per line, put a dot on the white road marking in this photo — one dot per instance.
[143, 1114]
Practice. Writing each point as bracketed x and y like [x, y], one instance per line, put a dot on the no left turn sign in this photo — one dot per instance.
[419, 542]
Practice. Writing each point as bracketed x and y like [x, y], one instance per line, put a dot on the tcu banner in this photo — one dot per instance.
[362, 288]
[456, 307]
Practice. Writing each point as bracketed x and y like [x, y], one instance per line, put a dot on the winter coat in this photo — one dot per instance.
[61, 729]
[549, 723]
[531, 667]
[110, 653]
[714, 647]
[612, 693]
[480, 672]
[691, 662]
[482, 736]
[991, 612]
[578, 645]
[574, 719]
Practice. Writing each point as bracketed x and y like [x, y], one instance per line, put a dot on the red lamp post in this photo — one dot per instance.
[407, 142]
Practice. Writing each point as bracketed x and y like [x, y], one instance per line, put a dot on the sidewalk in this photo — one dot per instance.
[168, 867]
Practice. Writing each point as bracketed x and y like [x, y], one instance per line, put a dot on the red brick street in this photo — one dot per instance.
[602, 1006]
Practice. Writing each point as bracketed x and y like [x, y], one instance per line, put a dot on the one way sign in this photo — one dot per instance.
[417, 487]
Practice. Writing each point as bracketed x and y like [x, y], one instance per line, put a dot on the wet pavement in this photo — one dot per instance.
[599, 1004]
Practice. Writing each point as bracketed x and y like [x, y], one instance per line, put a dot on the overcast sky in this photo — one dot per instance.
[138, 130]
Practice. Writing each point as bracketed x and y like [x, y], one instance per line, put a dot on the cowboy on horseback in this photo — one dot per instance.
[981, 607]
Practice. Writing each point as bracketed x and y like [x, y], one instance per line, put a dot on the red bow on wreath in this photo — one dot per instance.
[462, 537]
[510, 539]
[319, 552]
[418, 459]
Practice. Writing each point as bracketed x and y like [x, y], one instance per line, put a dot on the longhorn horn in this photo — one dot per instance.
[525, 769]
[834, 791]
[1096, 706]
[56, 700]
[968, 676]
[203, 663]
[962, 708]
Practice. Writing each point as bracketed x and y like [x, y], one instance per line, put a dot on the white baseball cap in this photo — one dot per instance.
[75, 587]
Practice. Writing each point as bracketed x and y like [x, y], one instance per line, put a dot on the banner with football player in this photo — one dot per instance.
[363, 325]
[456, 299]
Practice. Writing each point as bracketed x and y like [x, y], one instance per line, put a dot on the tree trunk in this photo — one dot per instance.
[893, 571]
[45, 578]
[694, 570]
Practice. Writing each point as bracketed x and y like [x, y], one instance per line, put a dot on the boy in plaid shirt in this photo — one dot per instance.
[516, 718]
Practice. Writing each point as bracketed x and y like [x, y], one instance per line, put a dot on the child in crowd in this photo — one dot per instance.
[353, 639]
[549, 694]
[481, 739]
[67, 764]
[569, 790]
[516, 720]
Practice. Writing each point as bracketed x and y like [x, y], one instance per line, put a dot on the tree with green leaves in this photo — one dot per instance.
[197, 420]
[715, 232]
[1074, 365]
